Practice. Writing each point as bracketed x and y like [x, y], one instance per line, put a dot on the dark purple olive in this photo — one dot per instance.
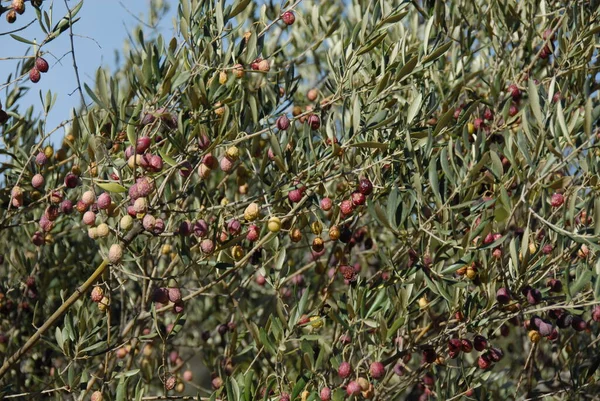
[502, 296]
[454, 344]
[429, 355]
[578, 324]
[554, 285]
[496, 354]
[545, 328]
[534, 296]
[480, 343]
[466, 345]
[564, 321]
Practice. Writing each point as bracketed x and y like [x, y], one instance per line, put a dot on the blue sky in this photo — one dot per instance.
[101, 31]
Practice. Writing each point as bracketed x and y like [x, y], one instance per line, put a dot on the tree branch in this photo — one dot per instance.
[66, 305]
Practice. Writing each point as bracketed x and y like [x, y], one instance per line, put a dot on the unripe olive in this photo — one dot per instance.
[102, 230]
[316, 322]
[274, 224]
[252, 212]
[115, 253]
[134, 160]
[316, 227]
[126, 222]
[222, 77]
[534, 336]
[233, 153]
[103, 304]
[334, 233]
[93, 232]
[237, 252]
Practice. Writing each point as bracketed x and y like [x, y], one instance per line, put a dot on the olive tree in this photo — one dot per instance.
[309, 200]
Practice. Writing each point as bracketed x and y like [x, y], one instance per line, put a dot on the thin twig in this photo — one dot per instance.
[75, 68]
[18, 29]
[52, 390]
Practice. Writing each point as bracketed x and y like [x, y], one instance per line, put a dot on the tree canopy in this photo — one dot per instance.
[305, 200]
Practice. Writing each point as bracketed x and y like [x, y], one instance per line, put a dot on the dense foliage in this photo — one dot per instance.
[309, 200]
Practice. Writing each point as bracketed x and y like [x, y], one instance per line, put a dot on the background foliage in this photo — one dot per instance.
[475, 122]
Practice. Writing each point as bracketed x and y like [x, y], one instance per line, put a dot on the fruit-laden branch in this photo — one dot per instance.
[65, 306]
[239, 264]
[177, 397]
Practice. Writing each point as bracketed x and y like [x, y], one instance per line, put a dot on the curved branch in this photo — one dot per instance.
[83, 288]
[55, 316]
